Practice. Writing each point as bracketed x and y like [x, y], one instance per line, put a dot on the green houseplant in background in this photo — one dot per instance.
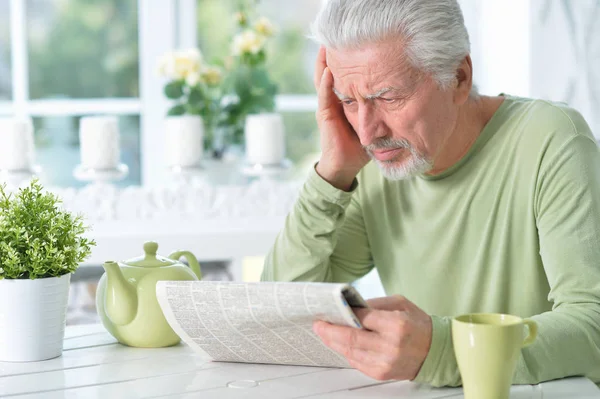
[41, 245]
[251, 89]
[196, 91]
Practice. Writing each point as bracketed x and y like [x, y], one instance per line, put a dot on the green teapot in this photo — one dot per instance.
[126, 296]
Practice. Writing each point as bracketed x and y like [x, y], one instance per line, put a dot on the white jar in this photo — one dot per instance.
[184, 140]
[99, 142]
[265, 139]
[17, 146]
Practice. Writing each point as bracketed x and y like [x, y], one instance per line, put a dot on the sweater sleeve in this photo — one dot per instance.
[324, 237]
[567, 211]
[568, 221]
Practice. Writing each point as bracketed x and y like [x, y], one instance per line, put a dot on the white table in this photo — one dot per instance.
[93, 365]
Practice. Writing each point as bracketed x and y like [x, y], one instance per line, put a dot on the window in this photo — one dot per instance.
[73, 58]
[291, 62]
[5, 68]
[64, 59]
[82, 49]
[302, 138]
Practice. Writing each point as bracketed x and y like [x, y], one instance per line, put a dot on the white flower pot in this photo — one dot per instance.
[184, 140]
[32, 318]
[264, 135]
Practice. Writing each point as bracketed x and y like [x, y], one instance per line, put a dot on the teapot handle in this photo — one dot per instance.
[191, 259]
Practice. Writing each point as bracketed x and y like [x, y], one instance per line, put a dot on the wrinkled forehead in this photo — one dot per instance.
[371, 66]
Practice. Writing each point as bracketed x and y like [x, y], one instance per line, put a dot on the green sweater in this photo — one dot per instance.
[513, 227]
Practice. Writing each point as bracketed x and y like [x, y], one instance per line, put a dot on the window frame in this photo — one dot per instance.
[179, 30]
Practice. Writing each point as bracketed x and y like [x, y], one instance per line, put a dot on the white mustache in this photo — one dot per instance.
[389, 144]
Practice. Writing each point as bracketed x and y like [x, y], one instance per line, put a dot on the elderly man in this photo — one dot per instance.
[463, 202]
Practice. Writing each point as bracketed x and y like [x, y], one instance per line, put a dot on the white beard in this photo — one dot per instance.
[413, 166]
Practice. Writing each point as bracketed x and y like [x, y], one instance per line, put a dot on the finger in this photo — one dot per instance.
[320, 66]
[380, 321]
[349, 337]
[361, 313]
[395, 302]
[325, 89]
[359, 357]
[329, 106]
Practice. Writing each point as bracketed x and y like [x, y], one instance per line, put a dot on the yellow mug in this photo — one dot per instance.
[487, 347]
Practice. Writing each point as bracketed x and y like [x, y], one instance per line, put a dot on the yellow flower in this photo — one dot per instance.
[248, 42]
[264, 27]
[212, 76]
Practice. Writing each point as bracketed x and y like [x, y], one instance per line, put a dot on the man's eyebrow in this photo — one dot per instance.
[339, 95]
[378, 94]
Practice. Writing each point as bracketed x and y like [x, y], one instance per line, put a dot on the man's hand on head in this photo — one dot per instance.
[393, 344]
[342, 155]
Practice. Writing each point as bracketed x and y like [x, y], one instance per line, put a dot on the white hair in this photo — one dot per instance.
[433, 31]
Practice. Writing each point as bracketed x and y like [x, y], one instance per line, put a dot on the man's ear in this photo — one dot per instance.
[464, 81]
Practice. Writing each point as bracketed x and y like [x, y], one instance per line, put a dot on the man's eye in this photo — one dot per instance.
[388, 100]
[347, 102]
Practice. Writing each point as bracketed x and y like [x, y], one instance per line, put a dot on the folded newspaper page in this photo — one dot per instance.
[266, 322]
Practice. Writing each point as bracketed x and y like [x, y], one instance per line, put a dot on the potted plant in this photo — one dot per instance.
[253, 91]
[41, 245]
[195, 89]
[251, 110]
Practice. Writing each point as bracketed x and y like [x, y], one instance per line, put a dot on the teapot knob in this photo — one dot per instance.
[150, 248]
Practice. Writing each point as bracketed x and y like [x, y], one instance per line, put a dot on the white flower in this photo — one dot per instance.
[192, 54]
[166, 65]
[186, 63]
[248, 42]
[264, 27]
[178, 65]
[192, 79]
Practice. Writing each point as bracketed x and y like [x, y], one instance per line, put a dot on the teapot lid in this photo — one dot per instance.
[150, 259]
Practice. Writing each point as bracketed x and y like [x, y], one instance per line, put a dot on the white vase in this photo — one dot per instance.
[184, 140]
[16, 144]
[32, 318]
[264, 136]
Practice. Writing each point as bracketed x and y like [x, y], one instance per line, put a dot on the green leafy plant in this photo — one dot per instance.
[227, 90]
[193, 85]
[38, 239]
[253, 91]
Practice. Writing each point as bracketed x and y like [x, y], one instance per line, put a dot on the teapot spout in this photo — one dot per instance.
[121, 301]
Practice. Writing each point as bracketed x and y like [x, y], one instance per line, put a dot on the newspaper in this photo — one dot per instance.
[262, 322]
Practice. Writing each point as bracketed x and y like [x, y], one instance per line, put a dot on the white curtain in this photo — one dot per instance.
[546, 49]
[566, 54]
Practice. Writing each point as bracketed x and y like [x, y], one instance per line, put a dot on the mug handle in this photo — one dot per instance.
[193, 262]
[533, 329]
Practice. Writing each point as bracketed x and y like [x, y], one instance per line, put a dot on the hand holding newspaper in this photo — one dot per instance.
[265, 322]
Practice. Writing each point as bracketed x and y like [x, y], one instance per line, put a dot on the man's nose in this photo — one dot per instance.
[369, 124]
